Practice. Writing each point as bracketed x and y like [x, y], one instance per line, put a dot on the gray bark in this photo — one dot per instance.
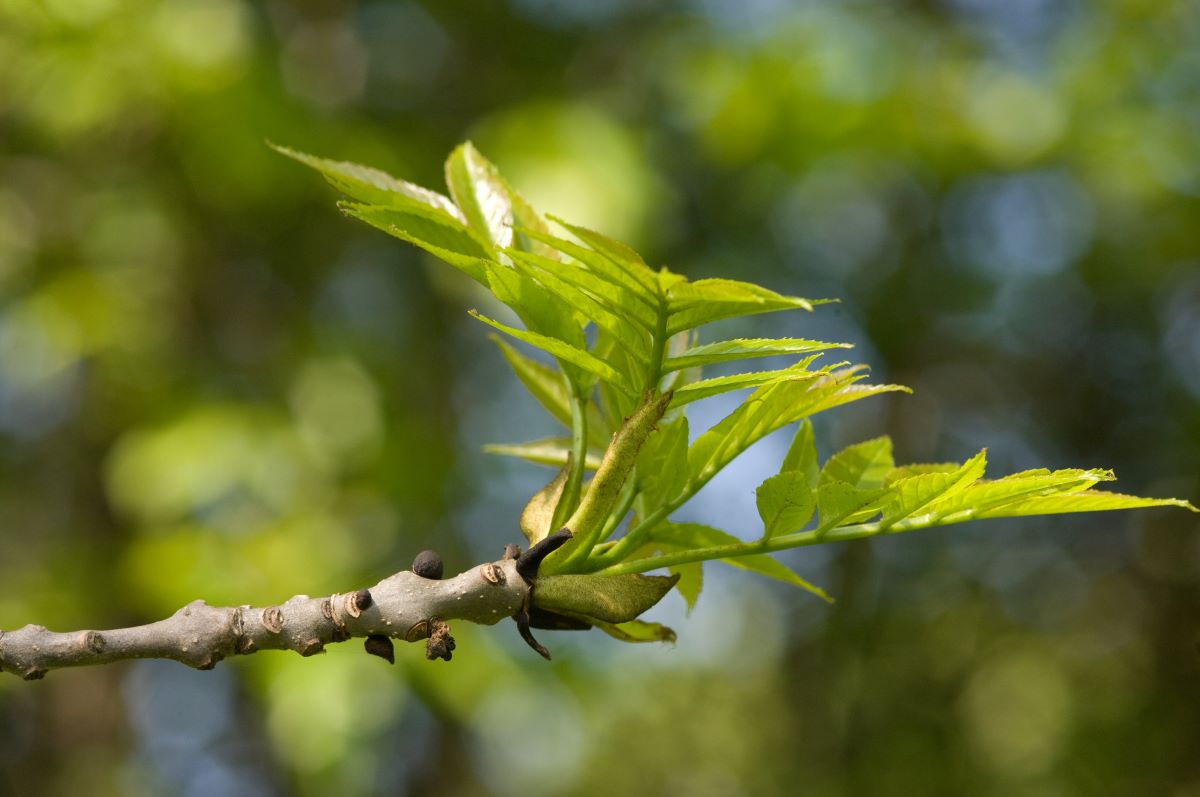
[402, 606]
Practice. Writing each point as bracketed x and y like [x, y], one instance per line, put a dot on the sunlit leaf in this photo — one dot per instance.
[434, 232]
[861, 465]
[802, 454]
[706, 388]
[744, 348]
[910, 495]
[580, 358]
[785, 502]
[1090, 501]
[373, 186]
[618, 253]
[603, 267]
[481, 195]
[692, 304]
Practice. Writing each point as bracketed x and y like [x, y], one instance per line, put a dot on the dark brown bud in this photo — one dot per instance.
[529, 562]
[363, 599]
[381, 646]
[428, 564]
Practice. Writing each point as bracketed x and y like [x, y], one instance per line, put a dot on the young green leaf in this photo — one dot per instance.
[802, 454]
[685, 536]
[615, 298]
[910, 495]
[604, 268]
[691, 582]
[537, 514]
[984, 497]
[633, 339]
[863, 465]
[706, 388]
[1090, 501]
[662, 465]
[785, 503]
[744, 348]
[580, 358]
[547, 451]
[692, 304]
[637, 631]
[481, 195]
[618, 253]
[438, 234]
[373, 186]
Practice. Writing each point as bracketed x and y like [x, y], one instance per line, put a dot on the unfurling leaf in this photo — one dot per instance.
[609, 599]
[538, 513]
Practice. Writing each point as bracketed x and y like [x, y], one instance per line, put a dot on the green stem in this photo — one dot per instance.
[629, 493]
[659, 347]
[579, 446]
[782, 543]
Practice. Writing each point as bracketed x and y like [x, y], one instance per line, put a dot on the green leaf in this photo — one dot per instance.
[802, 454]
[691, 581]
[1089, 501]
[481, 195]
[766, 410]
[984, 496]
[839, 503]
[634, 340]
[434, 232]
[602, 267]
[549, 388]
[538, 308]
[581, 358]
[536, 517]
[706, 388]
[614, 297]
[543, 382]
[744, 348]
[662, 465]
[692, 304]
[907, 471]
[912, 494]
[863, 465]
[370, 185]
[610, 599]
[547, 451]
[690, 536]
[618, 253]
[785, 502]
[637, 631]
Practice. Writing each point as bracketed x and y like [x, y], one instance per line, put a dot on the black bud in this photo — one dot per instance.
[428, 564]
[529, 562]
[363, 599]
[381, 646]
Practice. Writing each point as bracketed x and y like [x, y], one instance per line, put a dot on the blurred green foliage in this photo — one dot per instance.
[211, 386]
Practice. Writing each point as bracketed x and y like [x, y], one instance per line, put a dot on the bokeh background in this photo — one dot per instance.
[213, 385]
